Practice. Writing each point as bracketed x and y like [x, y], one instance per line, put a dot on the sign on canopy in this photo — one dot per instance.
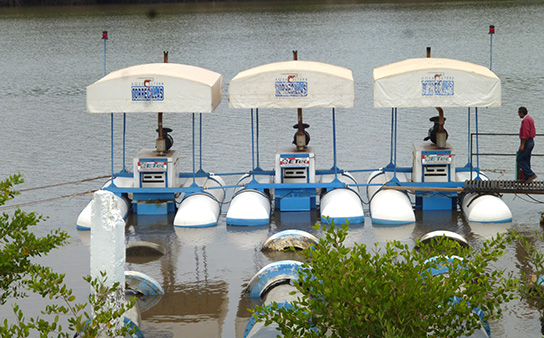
[435, 82]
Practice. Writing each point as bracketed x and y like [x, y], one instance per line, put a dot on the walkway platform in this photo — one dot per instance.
[504, 187]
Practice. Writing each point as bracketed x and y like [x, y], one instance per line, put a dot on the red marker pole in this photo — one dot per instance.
[105, 37]
[491, 33]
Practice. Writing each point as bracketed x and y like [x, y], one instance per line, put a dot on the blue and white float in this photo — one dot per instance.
[156, 185]
[444, 265]
[482, 208]
[250, 207]
[284, 240]
[295, 184]
[273, 283]
[433, 176]
[381, 200]
[84, 219]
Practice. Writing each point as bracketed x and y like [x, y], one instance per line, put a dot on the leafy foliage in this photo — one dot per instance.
[18, 275]
[532, 270]
[18, 245]
[391, 291]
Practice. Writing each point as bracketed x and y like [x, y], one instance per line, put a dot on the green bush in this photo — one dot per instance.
[390, 291]
[19, 275]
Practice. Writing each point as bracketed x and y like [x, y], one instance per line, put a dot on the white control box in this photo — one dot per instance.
[432, 164]
[293, 166]
[155, 171]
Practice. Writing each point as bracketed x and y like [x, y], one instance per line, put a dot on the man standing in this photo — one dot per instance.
[527, 134]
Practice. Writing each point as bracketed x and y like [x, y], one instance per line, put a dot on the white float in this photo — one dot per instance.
[249, 207]
[200, 210]
[284, 240]
[143, 284]
[273, 283]
[84, 219]
[342, 205]
[387, 206]
[483, 208]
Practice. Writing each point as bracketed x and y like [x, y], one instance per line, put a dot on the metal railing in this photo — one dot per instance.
[474, 151]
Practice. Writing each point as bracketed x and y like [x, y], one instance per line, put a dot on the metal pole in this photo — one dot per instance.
[124, 140]
[477, 146]
[200, 142]
[111, 131]
[392, 145]
[491, 33]
[334, 144]
[105, 38]
[194, 173]
[300, 136]
[257, 136]
[468, 143]
[161, 143]
[395, 167]
[252, 142]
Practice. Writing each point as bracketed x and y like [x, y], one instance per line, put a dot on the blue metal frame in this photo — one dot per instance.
[335, 166]
[392, 166]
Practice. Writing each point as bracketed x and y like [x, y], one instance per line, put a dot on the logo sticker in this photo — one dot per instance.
[147, 90]
[291, 86]
[438, 85]
[294, 162]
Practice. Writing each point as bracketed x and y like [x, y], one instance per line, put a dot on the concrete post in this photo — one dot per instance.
[108, 245]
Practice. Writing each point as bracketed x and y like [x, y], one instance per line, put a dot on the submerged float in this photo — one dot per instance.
[294, 184]
[433, 177]
[156, 185]
[275, 282]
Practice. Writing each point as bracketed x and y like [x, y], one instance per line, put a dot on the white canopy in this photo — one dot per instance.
[435, 82]
[293, 84]
[157, 87]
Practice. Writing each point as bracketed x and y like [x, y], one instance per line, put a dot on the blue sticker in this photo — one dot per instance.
[149, 93]
[438, 86]
[286, 88]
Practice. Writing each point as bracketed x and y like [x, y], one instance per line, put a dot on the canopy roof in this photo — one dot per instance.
[435, 82]
[293, 84]
[156, 87]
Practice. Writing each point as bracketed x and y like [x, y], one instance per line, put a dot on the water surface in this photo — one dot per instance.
[50, 55]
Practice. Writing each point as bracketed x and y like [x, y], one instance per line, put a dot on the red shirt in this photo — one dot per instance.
[527, 129]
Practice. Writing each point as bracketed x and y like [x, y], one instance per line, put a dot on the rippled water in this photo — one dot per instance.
[50, 55]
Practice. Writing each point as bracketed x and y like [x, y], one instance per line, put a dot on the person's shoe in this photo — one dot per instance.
[530, 179]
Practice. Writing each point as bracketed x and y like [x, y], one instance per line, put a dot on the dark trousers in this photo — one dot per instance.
[524, 158]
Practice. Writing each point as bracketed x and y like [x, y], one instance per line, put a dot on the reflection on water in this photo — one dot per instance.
[189, 303]
[390, 233]
[488, 230]
[190, 310]
[247, 237]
